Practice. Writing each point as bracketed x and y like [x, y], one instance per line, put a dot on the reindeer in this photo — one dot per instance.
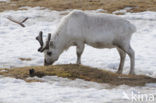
[98, 30]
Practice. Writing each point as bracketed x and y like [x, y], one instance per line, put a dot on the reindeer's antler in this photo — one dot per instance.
[18, 22]
[47, 43]
[40, 40]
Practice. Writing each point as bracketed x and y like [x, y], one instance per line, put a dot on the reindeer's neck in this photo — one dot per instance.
[61, 42]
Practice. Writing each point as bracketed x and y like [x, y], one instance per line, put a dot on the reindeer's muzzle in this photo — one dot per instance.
[46, 63]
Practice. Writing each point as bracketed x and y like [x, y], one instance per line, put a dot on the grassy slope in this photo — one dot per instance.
[110, 5]
[72, 71]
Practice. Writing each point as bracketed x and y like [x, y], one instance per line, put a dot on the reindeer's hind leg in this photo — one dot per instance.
[131, 54]
[122, 60]
[127, 48]
[79, 51]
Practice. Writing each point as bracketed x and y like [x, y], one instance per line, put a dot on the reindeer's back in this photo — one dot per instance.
[96, 27]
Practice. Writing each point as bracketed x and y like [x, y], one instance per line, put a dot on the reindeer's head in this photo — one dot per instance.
[50, 52]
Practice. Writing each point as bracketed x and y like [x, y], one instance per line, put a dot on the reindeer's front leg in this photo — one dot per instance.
[79, 51]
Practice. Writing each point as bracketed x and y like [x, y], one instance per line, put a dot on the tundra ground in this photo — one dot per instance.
[109, 5]
[73, 71]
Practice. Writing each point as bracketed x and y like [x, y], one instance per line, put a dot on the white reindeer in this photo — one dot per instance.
[95, 29]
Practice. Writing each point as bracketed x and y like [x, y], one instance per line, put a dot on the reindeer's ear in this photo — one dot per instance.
[52, 44]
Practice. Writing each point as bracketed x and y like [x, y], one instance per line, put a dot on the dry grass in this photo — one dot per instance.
[109, 5]
[25, 59]
[72, 71]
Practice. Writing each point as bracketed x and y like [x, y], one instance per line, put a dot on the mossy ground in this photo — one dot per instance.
[73, 71]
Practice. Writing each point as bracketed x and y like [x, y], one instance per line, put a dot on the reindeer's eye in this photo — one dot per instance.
[49, 53]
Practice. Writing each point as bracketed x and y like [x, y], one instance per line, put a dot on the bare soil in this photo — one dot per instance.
[25, 59]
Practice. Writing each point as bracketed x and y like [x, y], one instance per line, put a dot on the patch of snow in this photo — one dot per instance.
[59, 90]
[124, 10]
[5, 0]
[147, 15]
[3, 70]
[101, 10]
